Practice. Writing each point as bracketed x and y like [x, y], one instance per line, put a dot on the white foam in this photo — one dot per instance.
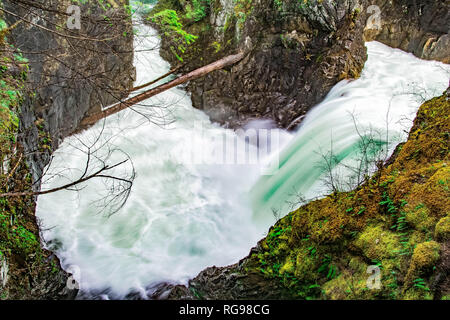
[181, 217]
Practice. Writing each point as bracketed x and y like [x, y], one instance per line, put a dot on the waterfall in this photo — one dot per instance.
[182, 216]
[380, 106]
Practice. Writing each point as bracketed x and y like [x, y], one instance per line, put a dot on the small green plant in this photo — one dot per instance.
[327, 267]
[389, 205]
[362, 209]
[172, 28]
[420, 283]
[242, 8]
[216, 45]
[197, 10]
[312, 251]
[278, 4]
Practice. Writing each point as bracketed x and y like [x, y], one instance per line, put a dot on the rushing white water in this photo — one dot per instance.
[181, 217]
[381, 106]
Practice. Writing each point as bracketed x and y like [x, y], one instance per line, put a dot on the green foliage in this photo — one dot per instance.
[3, 25]
[14, 237]
[278, 4]
[172, 28]
[327, 267]
[389, 204]
[10, 99]
[197, 9]
[242, 9]
[420, 283]
[442, 230]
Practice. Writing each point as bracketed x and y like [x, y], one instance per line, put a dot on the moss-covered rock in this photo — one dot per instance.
[376, 243]
[425, 255]
[442, 231]
[419, 218]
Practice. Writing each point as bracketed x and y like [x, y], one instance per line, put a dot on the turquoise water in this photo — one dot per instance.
[185, 215]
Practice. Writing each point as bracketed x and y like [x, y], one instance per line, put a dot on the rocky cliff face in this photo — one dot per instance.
[296, 51]
[421, 27]
[71, 74]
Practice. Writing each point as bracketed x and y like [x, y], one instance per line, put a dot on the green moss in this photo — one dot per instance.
[306, 265]
[242, 9]
[288, 267]
[16, 238]
[348, 287]
[442, 230]
[395, 221]
[418, 294]
[357, 265]
[197, 10]
[422, 264]
[217, 46]
[425, 255]
[377, 243]
[419, 218]
[172, 28]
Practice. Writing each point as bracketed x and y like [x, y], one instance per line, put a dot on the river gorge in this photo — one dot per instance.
[198, 205]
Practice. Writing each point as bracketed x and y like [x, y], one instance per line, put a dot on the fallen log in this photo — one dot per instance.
[172, 71]
[197, 73]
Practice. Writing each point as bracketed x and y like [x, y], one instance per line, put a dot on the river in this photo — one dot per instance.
[186, 212]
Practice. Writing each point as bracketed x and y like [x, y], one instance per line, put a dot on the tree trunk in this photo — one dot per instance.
[200, 72]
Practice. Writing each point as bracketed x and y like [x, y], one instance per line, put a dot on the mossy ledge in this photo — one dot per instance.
[398, 221]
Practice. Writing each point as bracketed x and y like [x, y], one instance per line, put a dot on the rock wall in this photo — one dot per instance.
[296, 51]
[72, 73]
[295, 54]
[70, 76]
[421, 27]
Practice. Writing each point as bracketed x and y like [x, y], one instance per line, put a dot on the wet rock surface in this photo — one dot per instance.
[70, 77]
[418, 26]
[295, 55]
[226, 283]
[297, 52]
